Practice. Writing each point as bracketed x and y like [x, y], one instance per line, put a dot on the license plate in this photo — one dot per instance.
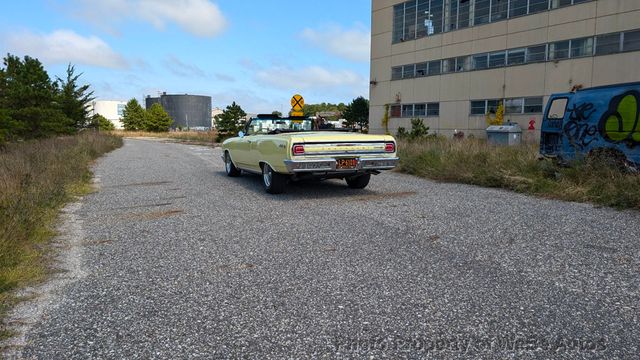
[346, 163]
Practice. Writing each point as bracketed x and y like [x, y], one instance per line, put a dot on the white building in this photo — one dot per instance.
[110, 109]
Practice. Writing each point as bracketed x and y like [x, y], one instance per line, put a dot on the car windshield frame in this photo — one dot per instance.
[264, 126]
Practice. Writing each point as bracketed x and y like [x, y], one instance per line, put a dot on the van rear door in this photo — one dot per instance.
[551, 131]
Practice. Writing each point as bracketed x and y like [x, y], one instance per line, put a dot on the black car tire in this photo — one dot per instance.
[274, 183]
[229, 167]
[358, 182]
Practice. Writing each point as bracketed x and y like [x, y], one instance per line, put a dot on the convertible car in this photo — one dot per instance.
[292, 149]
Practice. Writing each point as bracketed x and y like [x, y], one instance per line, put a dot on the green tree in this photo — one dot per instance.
[133, 116]
[230, 122]
[313, 109]
[357, 113]
[28, 97]
[101, 123]
[276, 113]
[157, 120]
[74, 99]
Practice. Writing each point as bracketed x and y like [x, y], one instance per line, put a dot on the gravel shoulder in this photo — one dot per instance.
[181, 261]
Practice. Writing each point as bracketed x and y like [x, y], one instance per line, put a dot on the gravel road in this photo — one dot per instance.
[180, 261]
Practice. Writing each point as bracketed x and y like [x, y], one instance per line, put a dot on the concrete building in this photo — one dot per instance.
[110, 109]
[452, 61]
[187, 111]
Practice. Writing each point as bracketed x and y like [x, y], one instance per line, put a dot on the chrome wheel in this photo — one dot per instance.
[227, 163]
[229, 167]
[267, 175]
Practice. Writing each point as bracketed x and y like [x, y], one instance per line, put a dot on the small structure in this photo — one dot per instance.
[507, 134]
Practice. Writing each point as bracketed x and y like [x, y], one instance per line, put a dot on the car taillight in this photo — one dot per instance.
[298, 149]
[390, 147]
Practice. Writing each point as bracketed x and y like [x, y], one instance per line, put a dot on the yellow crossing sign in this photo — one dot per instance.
[297, 103]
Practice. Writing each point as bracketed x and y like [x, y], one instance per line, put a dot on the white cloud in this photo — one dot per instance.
[312, 77]
[199, 17]
[314, 81]
[351, 44]
[65, 46]
[179, 68]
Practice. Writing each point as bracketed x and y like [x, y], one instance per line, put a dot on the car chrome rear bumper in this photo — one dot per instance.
[329, 165]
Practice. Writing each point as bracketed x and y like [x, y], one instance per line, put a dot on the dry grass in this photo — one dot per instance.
[36, 178]
[198, 137]
[518, 168]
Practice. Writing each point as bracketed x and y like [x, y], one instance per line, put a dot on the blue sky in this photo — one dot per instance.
[255, 52]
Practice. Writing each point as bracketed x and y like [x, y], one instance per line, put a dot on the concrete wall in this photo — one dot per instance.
[454, 91]
[108, 109]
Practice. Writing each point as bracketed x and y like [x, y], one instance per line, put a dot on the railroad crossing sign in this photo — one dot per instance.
[297, 102]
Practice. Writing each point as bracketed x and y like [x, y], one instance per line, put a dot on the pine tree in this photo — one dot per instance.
[28, 97]
[133, 116]
[157, 119]
[230, 122]
[74, 99]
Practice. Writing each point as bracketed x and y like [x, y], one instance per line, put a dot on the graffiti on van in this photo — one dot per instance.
[619, 124]
[578, 130]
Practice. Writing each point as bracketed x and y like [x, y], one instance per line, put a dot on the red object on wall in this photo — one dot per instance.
[532, 124]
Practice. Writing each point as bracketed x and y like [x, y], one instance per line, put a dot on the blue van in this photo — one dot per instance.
[578, 123]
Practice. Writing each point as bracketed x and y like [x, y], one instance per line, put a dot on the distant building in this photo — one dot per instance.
[110, 109]
[450, 62]
[214, 112]
[187, 111]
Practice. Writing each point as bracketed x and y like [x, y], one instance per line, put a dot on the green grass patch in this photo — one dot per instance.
[194, 137]
[37, 178]
[518, 168]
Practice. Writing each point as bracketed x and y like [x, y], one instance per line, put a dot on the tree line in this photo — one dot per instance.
[33, 105]
[136, 118]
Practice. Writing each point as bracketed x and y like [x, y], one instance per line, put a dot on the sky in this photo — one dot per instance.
[255, 52]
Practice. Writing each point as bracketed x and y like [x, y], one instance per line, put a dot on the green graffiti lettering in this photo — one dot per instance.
[620, 122]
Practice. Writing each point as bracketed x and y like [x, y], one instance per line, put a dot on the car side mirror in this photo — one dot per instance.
[241, 134]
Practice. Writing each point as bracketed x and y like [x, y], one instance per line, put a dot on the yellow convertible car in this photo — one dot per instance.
[292, 149]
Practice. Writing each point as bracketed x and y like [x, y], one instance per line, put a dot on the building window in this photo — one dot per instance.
[631, 41]
[462, 63]
[410, 20]
[559, 50]
[121, 110]
[499, 9]
[407, 110]
[419, 18]
[398, 23]
[481, 14]
[448, 65]
[496, 59]
[395, 111]
[421, 69]
[513, 106]
[536, 53]
[607, 44]
[516, 56]
[396, 73]
[517, 8]
[492, 106]
[480, 62]
[582, 47]
[408, 71]
[533, 105]
[433, 109]
[419, 110]
[478, 107]
[436, 10]
[434, 67]
[538, 5]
